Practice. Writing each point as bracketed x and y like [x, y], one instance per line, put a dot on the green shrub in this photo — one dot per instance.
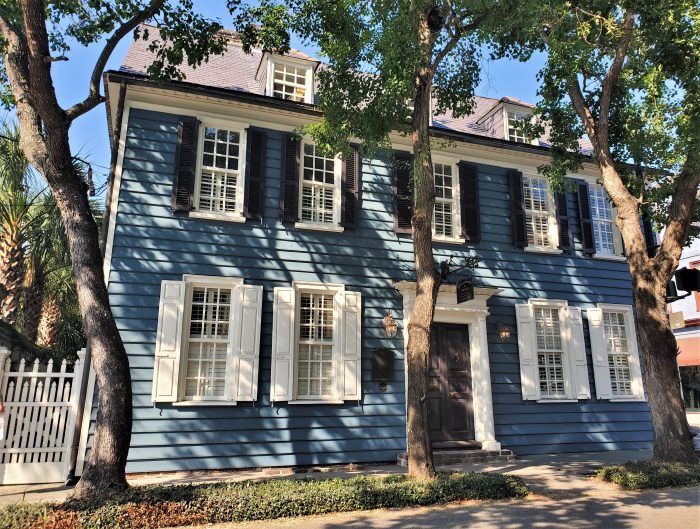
[651, 475]
[167, 506]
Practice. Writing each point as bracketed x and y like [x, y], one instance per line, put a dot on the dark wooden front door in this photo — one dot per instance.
[451, 415]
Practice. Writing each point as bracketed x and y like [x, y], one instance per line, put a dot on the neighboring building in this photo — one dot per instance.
[250, 278]
[688, 337]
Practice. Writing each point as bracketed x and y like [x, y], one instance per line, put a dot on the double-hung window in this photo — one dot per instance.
[513, 131]
[219, 180]
[290, 79]
[552, 352]
[319, 188]
[540, 214]
[208, 340]
[608, 241]
[615, 355]
[316, 351]
[446, 212]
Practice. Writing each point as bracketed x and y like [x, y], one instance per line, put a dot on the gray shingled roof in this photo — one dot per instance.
[237, 70]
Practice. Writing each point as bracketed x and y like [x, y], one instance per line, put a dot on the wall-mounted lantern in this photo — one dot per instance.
[390, 325]
[503, 332]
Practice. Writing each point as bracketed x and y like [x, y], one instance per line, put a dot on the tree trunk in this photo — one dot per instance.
[420, 457]
[44, 140]
[49, 322]
[672, 439]
[11, 276]
[33, 302]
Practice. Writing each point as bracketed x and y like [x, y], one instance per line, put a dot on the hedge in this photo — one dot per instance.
[168, 506]
[641, 475]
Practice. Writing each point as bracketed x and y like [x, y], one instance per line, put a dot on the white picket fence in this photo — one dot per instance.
[41, 407]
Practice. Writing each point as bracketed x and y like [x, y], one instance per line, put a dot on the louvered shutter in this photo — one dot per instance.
[254, 198]
[563, 220]
[581, 388]
[637, 383]
[527, 352]
[469, 201]
[649, 236]
[352, 346]
[585, 219]
[245, 352]
[185, 165]
[166, 369]
[599, 351]
[517, 208]
[289, 197]
[352, 171]
[283, 339]
[403, 195]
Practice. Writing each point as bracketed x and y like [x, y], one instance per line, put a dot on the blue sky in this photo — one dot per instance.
[89, 138]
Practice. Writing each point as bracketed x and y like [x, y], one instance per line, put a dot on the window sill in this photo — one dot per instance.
[449, 240]
[628, 399]
[555, 401]
[321, 401]
[189, 403]
[603, 257]
[544, 250]
[217, 216]
[319, 227]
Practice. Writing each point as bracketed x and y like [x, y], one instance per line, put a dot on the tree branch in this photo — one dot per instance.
[460, 29]
[94, 98]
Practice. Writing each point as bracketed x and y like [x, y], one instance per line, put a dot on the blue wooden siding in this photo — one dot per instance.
[151, 245]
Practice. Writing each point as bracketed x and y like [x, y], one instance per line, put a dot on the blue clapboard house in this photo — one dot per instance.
[254, 281]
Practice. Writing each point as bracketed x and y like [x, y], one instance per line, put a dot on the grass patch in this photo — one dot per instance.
[166, 506]
[641, 475]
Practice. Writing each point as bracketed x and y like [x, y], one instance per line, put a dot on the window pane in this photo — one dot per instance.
[536, 204]
[617, 345]
[549, 351]
[513, 133]
[289, 82]
[602, 219]
[219, 171]
[443, 213]
[315, 358]
[318, 187]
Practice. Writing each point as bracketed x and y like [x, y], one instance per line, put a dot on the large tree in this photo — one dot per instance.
[389, 65]
[34, 34]
[627, 76]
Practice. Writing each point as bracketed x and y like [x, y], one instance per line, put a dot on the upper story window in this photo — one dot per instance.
[513, 132]
[319, 187]
[606, 235]
[219, 180]
[290, 79]
[446, 222]
[540, 214]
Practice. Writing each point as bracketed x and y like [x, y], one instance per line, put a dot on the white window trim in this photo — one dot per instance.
[552, 224]
[192, 281]
[241, 128]
[518, 110]
[456, 196]
[290, 61]
[335, 227]
[568, 364]
[323, 288]
[635, 364]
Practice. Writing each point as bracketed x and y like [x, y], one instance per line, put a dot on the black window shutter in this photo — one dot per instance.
[469, 201]
[254, 198]
[649, 238]
[517, 208]
[289, 197]
[185, 163]
[563, 220]
[403, 196]
[584, 215]
[352, 171]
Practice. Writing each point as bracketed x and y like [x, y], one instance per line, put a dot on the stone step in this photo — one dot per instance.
[456, 457]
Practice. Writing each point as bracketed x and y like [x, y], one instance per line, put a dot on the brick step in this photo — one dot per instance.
[456, 457]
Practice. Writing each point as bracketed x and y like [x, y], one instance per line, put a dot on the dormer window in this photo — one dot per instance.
[513, 119]
[290, 79]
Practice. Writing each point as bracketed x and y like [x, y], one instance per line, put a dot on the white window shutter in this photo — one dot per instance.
[166, 369]
[283, 341]
[527, 346]
[245, 355]
[599, 350]
[635, 365]
[581, 386]
[351, 336]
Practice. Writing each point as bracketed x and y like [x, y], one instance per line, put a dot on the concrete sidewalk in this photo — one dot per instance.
[560, 474]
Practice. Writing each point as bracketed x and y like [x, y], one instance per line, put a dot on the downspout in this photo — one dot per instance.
[71, 479]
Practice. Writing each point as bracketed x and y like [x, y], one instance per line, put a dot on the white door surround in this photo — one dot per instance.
[472, 313]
